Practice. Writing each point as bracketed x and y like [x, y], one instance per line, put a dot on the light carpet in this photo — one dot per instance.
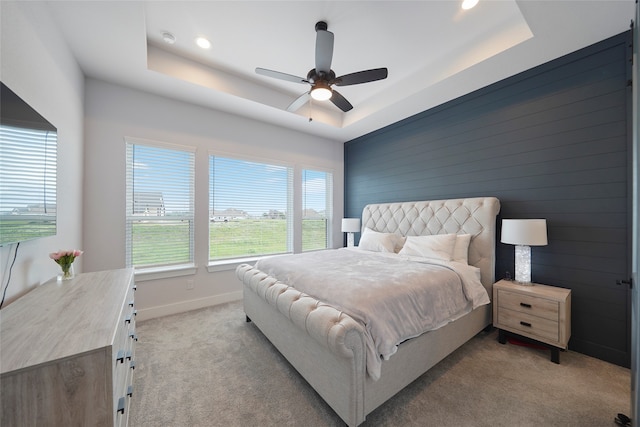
[210, 368]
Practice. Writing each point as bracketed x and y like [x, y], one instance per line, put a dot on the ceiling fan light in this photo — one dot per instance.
[321, 93]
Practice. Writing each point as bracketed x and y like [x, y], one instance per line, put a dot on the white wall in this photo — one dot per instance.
[114, 112]
[37, 65]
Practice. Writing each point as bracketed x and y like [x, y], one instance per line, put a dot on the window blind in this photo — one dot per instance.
[28, 165]
[317, 206]
[160, 205]
[250, 208]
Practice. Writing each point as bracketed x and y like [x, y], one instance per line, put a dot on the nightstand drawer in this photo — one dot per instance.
[529, 304]
[529, 325]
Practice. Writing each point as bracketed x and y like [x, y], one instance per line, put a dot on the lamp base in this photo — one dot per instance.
[524, 283]
[523, 265]
[350, 240]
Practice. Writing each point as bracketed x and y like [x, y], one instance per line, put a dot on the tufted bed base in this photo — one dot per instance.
[327, 347]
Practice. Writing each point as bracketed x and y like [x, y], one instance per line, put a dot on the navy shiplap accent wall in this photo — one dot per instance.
[552, 142]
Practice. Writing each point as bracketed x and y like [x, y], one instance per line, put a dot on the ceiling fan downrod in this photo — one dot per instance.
[321, 26]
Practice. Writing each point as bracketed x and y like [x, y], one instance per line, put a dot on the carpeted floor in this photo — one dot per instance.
[211, 368]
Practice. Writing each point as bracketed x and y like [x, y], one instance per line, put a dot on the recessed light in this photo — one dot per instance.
[203, 42]
[468, 4]
[167, 37]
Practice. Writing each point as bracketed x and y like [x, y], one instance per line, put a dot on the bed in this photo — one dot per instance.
[330, 345]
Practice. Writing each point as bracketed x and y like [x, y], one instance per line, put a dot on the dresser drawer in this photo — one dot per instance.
[529, 304]
[532, 326]
[123, 358]
[123, 351]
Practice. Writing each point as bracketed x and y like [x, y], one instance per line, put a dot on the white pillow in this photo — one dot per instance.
[399, 241]
[461, 248]
[377, 242]
[438, 246]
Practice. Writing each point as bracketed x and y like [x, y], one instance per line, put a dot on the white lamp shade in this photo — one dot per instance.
[350, 225]
[524, 232]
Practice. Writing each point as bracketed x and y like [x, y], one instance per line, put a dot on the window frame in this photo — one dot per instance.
[329, 191]
[152, 272]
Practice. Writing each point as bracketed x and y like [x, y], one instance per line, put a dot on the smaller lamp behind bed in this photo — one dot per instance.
[350, 226]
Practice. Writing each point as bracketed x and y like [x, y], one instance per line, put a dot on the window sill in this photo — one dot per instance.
[154, 273]
[230, 264]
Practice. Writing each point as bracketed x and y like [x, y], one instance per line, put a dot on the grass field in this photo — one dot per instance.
[156, 243]
[168, 242]
[15, 228]
[251, 237]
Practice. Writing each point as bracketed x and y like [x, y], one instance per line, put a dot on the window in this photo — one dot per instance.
[316, 209]
[250, 208]
[160, 205]
[28, 165]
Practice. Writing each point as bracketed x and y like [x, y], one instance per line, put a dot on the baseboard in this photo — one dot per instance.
[608, 354]
[183, 306]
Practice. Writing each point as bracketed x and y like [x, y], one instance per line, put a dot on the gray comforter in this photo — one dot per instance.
[395, 297]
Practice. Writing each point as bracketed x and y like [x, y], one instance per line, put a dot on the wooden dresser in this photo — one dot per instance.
[67, 352]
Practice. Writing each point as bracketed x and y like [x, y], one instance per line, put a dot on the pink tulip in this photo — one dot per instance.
[65, 257]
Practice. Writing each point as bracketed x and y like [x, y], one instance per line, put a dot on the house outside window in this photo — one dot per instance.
[148, 203]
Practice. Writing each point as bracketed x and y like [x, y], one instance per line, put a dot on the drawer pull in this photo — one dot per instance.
[524, 304]
[121, 405]
[130, 391]
[133, 364]
[128, 318]
[128, 355]
[527, 324]
[133, 336]
[130, 303]
[120, 356]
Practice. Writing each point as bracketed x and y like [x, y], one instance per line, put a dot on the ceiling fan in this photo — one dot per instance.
[322, 77]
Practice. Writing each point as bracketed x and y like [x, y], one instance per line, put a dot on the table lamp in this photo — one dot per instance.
[524, 233]
[350, 226]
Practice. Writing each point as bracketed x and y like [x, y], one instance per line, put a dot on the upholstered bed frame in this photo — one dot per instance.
[327, 347]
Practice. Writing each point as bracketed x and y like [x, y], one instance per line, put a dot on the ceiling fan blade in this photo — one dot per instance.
[340, 101]
[361, 77]
[281, 76]
[324, 50]
[299, 102]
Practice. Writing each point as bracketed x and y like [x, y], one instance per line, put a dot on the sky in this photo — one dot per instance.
[252, 187]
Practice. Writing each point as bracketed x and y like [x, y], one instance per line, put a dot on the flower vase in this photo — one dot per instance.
[67, 272]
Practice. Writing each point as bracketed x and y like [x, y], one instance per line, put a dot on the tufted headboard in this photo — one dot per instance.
[475, 216]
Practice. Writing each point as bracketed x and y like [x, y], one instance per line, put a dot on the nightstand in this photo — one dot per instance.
[539, 312]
